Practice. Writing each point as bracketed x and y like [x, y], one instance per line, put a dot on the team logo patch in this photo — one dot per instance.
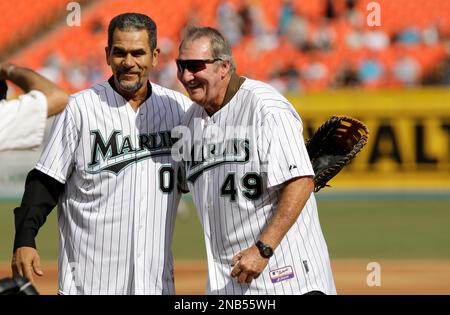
[281, 274]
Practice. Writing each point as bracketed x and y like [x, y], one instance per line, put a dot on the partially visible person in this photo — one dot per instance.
[22, 120]
[251, 178]
[107, 164]
[407, 70]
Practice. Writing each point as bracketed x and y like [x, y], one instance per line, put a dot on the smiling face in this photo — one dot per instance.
[206, 85]
[131, 60]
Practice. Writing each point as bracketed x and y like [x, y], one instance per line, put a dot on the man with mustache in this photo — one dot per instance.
[107, 165]
[251, 178]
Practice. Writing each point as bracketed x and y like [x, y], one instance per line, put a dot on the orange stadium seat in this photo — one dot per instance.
[24, 18]
[82, 45]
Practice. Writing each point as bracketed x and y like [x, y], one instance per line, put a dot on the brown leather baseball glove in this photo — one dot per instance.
[334, 145]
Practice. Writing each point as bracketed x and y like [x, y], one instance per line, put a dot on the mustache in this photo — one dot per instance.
[123, 71]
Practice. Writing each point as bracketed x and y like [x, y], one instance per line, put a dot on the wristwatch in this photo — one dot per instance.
[265, 250]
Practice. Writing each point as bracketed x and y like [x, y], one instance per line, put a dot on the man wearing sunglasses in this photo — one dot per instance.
[108, 166]
[251, 178]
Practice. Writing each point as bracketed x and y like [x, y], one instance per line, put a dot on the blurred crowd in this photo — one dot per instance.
[294, 51]
[337, 48]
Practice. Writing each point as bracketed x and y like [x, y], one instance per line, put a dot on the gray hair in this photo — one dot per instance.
[132, 22]
[220, 48]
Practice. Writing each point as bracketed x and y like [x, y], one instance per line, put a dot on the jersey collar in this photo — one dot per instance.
[233, 87]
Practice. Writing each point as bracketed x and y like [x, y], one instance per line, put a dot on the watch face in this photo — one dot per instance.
[267, 251]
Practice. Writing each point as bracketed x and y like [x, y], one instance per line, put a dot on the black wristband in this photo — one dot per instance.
[40, 197]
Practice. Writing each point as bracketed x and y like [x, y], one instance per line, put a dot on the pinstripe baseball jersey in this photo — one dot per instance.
[239, 160]
[116, 214]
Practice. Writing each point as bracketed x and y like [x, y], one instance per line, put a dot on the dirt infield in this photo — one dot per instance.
[397, 277]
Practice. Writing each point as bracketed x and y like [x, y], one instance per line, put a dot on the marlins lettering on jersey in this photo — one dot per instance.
[215, 154]
[236, 185]
[117, 213]
[113, 157]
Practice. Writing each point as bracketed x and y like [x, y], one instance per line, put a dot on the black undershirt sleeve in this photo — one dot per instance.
[40, 197]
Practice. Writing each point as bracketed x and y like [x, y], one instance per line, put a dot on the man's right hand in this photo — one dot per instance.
[25, 262]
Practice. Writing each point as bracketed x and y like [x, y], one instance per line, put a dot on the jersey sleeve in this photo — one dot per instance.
[57, 157]
[23, 121]
[282, 149]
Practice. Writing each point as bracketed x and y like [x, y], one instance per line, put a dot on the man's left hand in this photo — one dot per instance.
[248, 265]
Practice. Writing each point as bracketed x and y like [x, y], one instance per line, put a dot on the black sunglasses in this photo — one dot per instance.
[194, 65]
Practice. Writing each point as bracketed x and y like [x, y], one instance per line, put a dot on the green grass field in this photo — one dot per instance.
[365, 229]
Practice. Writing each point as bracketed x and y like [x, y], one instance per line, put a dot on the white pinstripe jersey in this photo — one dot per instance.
[236, 187]
[116, 214]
